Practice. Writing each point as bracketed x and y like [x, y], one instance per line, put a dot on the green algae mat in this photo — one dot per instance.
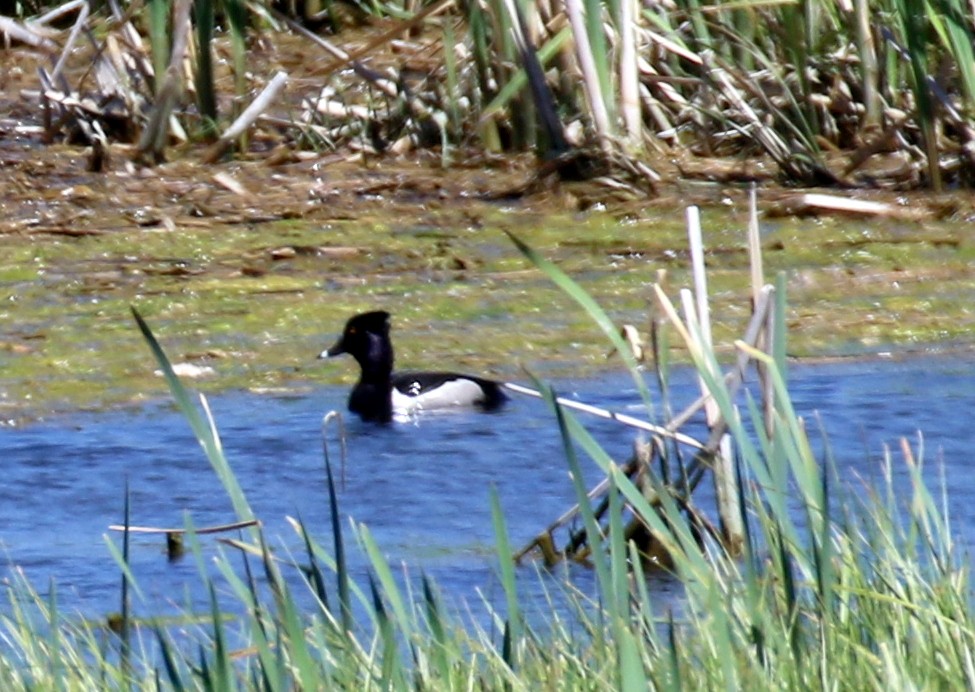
[244, 274]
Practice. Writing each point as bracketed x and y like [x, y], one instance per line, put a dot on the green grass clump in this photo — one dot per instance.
[827, 592]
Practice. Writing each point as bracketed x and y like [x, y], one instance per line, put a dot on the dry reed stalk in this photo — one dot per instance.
[76, 28]
[758, 284]
[706, 453]
[12, 31]
[725, 483]
[629, 77]
[153, 139]
[868, 64]
[766, 136]
[343, 442]
[397, 29]
[590, 77]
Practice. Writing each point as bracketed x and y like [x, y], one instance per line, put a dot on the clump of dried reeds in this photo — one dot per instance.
[849, 94]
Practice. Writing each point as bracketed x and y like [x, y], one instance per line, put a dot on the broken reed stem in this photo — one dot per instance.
[706, 453]
[605, 413]
[343, 444]
[80, 22]
[544, 539]
[768, 335]
[755, 245]
[200, 531]
[725, 482]
[768, 386]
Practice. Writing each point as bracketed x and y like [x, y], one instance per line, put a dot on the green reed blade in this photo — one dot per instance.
[206, 93]
[172, 668]
[204, 431]
[159, 11]
[442, 646]
[341, 567]
[954, 23]
[602, 55]
[593, 310]
[392, 592]
[506, 565]
[124, 632]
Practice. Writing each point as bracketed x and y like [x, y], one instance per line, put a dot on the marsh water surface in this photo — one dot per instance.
[422, 489]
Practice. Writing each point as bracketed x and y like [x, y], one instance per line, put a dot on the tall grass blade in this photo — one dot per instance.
[159, 11]
[314, 570]
[204, 430]
[435, 618]
[237, 17]
[506, 564]
[630, 665]
[392, 667]
[206, 92]
[391, 590]
[124, 624]
[221, 677]
[166, 648]
[592, 309]
[54, 637]
[341, 566]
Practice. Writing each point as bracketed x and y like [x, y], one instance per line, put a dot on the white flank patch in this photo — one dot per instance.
[450, 394]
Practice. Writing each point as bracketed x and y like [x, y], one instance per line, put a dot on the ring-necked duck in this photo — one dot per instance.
[380, 394]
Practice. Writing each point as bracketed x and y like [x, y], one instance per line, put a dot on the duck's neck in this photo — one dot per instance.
[372, 397]
[372, 401]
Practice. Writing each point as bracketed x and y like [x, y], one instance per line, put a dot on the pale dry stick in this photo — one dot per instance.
[69, 44]
[758, 282]
[629, 421]
[253, 111]
[725, 482]
[174, 537]
[701, 307]
[220, 528]
[768, 385]
[12, 30]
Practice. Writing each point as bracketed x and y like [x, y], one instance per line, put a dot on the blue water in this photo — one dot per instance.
[422, 489]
